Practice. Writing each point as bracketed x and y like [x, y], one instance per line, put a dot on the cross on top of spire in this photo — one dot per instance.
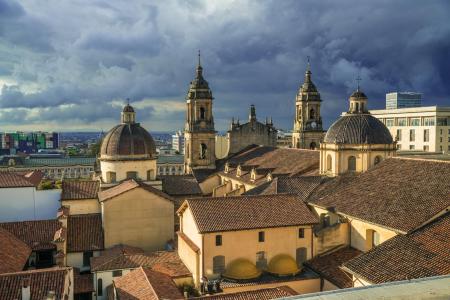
[358, 80]
[199, 57]
[309, 63]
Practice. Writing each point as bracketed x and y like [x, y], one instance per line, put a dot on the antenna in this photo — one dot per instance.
[309, 62]
[199, 57]
[358, 79]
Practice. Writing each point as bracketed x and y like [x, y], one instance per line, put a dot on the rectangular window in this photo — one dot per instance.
[441, 122]
[412, 135]
[261, 236]
[301, 233]
[218, 240]
[87, 258]
[401, 122]
[389, 122]
[426, 148]
[415, 122]
[426, 135]
[412, 147]
[117, 273]
[99, 287]
[399, 134]
[428, 121]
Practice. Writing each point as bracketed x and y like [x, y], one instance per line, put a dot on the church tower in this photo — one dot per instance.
[308, 131]
[199, 133]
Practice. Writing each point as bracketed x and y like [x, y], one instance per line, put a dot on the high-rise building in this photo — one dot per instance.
[27, 142]
[178, 142]
[199, 132]
[403, 99]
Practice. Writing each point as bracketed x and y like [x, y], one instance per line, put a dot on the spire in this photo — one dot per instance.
[252, 115]
[358, 79]
[199, 67]
[308, 71]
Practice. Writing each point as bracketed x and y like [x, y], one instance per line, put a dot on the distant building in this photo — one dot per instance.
[420, 128]
[403, 100]
[27, 142]
[178, 142]
[170, 165]
[284, 139]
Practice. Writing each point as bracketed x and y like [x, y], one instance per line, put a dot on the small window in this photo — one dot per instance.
[99, 287]
[412, 147]
[261, 260]
[352, 163]
[401, 122]
[117, 273]
[132, 175]
[202, 113]
[87, 258]
[399, 135]
[261, 236]
[218, 264]
[412, 135]
[377, 160]
[426, 135]
[301, 233]
[301, 254]
[218, 240]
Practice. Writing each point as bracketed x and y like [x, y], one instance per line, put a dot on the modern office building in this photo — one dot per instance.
[27, 142]
[403, 100]
[178, 142]
[419, 128]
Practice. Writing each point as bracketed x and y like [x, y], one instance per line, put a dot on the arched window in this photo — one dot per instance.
[377, 160]
[312, 114]
[352, 163]
[99, 287]
[261, 260]
[329, 163]
[312, 146]
[202, 113]
[301, 255]
[357, 106]
[218, 264]
[203, 150]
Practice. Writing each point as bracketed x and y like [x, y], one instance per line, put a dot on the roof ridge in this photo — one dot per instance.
[422, 159]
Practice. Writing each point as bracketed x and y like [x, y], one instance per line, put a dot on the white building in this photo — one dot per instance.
[178, 142]
[403, 100]
[419, 128]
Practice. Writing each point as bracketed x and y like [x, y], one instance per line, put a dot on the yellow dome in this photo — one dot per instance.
[283, 264]
[241, 269]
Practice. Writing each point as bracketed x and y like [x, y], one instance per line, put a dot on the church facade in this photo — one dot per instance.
[308, 131]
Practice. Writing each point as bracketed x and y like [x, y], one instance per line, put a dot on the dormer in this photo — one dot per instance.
[253, 174]
[269, 177]
[227, 167]
[239, 171]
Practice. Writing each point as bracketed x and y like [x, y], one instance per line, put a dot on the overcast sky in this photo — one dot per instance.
[69, 65]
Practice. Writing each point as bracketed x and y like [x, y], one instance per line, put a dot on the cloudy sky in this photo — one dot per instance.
[69, 65]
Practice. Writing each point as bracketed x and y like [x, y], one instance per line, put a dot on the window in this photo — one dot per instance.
[377, 160]
[111, 176]
[426, 135]
[412, 147]
[261, 236]
[301, 256]
[389, 122]
[218, 240]
[311, 113]
[401, 122]
[202, 113]
[261, 260]
[203, 150]
[132, 175]
[99, 287]
[329, 163]
[412, 135]
[375, 238]
[428, 121]
[415, 122]
[324, 220]
[399, 135]
[426, 148]
[218, 264]
[352, 163]
[150, 174]
[301, 233]
[117, 273]
[87, 258]
[441, 121]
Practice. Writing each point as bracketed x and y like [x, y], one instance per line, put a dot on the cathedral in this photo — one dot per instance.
[308, 131]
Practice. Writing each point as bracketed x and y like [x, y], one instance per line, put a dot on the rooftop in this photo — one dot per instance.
[261, 294]
[248, 212]
[77, 190]
[175, 185]
[17, 179]
[14, 253]
[128, 185]
[84, 233]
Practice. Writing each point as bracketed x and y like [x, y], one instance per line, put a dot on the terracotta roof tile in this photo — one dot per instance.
[262, 294]
[146, 284]
[41, 282]
[80, 190]
[83, 283]
[128, 185]
[36, 234]
[249, 212]
[14, 253]
[422, 253]
[391, 194]
[85, 233]
[175, 185]
[328, 266]
[15, 179]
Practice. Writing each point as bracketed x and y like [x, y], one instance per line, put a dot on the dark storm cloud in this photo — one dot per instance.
[58, 59]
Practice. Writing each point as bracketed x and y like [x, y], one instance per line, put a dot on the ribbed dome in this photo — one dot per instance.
[128, 141]
[128, 108]
[358, 129]
[282, 265]
[358, 94]
[241, 269]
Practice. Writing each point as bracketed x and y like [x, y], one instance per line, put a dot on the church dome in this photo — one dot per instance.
[241, 269]
[128, 141]
[282, 265]
[358, 129]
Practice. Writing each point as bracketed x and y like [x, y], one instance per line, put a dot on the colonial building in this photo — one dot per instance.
[356, 141]
[199, 132]
[308, 131]
[253, 132]
[127, 151]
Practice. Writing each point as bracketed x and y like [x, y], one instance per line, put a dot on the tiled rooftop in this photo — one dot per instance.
[85, 233]
[128, 185]
[261, 294]
[16, 179]
[79, 189]
[175, 185]
[14, 253]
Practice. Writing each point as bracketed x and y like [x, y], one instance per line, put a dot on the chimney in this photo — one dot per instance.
[26, 294]
[51, 295]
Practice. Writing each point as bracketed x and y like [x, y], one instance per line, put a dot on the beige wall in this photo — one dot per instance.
[191, 260]
[122, 167]
[359, 230]
[82, 206]
[328, 286]
[208, 185]
[138, 218]
[75, 259]
[221, 146]
[236, 183]
[107, 280]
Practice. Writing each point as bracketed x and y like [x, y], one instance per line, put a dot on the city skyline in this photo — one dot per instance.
[69, 66]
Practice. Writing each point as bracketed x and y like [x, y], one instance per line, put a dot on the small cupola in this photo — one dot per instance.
[128, 115]
[358, 102]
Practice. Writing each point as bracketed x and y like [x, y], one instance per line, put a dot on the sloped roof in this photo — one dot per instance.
[422, 253]
[17, 179]
[14, 253]
[178, 185]
[398, 193]
[36, 234]
[41, 282]
[83, 283]
[261, 294]
[248, 212]
[76, 190]
[144, 283]
[84, 233]
[128, 185]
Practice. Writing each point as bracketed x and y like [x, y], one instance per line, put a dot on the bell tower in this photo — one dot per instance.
[199, 133]
[308, 131]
